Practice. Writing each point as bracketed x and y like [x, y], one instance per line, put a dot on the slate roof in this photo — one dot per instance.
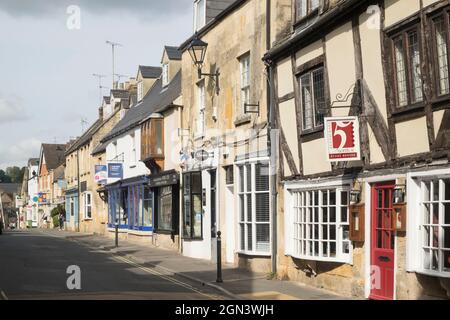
[156, 99]
[173, 53]
[86, 137]
[100, 148]
[10, 188]
[119, 93]
[54, 155]
[33, 162]
[150, 72]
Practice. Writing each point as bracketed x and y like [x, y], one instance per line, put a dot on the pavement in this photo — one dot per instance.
[237, 283]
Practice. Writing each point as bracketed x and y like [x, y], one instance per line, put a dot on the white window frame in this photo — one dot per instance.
[415, 231]
[252, 163]
[87, 195]
[290, 191]
[199, 24]
[201, 104]
[165, 74]
[244, 63]
[140, 90]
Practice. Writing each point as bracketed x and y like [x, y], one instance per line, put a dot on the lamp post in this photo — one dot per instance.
[197, 50]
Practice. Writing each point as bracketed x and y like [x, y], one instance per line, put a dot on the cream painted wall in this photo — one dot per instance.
[397, 10]
[428, 2]
[376, 155]
[308, 53]
[284, 77]
[172, 145]
[412, 137]
[437, 121]
[314, 157]
[372, 64]
[289, 124]
[340, 62]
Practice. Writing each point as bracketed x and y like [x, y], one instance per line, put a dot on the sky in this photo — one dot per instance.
[49, 51]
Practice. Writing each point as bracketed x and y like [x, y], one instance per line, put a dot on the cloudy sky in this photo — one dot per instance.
[46, 62]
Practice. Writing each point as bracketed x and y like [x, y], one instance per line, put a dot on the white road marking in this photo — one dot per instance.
[156, 273]
[3, 295]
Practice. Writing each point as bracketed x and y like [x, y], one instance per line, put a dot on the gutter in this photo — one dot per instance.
[310, 32]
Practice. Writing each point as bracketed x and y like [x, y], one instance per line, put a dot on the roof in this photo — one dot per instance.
[120, 93]
[107, 99]
[150, 72]
[100, 148]
[173, 53]
[86, 137]
[156, 99]
[33, 162]
[10, 188]
[54, 155]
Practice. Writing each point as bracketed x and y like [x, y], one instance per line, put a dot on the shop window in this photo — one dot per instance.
[312, 98]
[148, 208]
[407, 73]
[320, 224]
[435, 226]
[192, 203]
[254, 208]
[165, 209]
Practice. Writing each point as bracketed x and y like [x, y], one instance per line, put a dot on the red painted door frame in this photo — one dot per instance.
[382, 249]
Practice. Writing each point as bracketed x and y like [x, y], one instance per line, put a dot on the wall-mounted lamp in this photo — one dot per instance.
[399, 193]
[251, 108]
[197, 50]
[355, 196]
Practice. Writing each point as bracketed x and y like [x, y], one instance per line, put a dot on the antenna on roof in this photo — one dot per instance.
[99, 76]
[113, 46]
[84, 123]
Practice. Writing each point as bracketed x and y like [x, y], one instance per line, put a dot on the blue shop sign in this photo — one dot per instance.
[115, 170]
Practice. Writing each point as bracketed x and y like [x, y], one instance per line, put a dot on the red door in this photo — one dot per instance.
[383, 242]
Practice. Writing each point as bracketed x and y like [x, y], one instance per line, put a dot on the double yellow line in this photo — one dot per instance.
[165, 277]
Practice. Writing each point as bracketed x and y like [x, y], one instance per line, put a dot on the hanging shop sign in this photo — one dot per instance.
[115, 170]
[201, 155]
[101, 174]
[42, 198]
[342, 139]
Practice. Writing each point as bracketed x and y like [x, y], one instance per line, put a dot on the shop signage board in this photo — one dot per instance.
[115, 170]
[101, 174]
[342, 139]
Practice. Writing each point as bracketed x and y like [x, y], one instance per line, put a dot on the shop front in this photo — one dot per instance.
[71, 205]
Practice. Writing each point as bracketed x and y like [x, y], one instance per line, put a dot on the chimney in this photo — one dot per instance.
[100, 113]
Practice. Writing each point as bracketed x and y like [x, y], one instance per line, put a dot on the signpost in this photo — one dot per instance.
[342, 139]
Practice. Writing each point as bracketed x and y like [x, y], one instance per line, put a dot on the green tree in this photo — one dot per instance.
[4, 178]
[15, 173]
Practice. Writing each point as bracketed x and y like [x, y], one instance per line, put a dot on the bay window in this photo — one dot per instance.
[318, 224]
[407, 73]
[254, 208]
[435, 226]
[152, 139]
[312, 99]
[192, 206]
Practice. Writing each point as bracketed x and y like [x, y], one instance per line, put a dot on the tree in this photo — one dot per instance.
[15, 173]
[4, 178]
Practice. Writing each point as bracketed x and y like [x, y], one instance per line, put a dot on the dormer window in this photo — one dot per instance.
[140, 90]
[165, 74]
[304, 8]
[199, 14]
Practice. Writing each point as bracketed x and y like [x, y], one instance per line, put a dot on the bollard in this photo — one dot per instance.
[117, 233]
[219, 258]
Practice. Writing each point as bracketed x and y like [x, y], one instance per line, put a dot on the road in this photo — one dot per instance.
[33, 265]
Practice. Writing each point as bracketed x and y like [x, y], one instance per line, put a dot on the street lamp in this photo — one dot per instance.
[197, 50]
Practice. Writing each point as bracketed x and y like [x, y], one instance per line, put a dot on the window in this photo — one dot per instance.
[135, 206]
[305, 7]
[312, 99]
[165, 209]
[152, 139]
[140, 90]
[435, 226]
[165, 74]
[441, 41]
[199, 14]
[193, 210]
[407, 69]
[319, 219]
[72, 206]
[245, 81]
[88, 205]
[201, 109]
[254, 208]
[133, 149]
[148, 208]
